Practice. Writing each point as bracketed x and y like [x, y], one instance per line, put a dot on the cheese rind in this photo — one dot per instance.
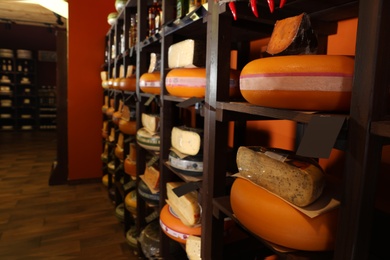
[148, 141]
[152, 177]
[185, 206]
[295, 179]
[187, 140]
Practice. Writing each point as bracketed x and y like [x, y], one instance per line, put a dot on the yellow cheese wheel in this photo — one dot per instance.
[191, 82]
[128, 127]
[127, 83]
[172, 226]
[118, 151]
[131, 202]
[274, 220]
[150, 83]
[110, 82]
[116, 116]
[300, 82]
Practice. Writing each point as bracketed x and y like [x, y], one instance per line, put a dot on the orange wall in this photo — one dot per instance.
[87, 27]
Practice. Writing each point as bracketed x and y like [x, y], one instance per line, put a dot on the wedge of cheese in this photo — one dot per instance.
[188, 53]
[298, 180]
[292, 36]
[151, 122]
[186, 140]
[193, 246]
[186, 206]
[152, 177]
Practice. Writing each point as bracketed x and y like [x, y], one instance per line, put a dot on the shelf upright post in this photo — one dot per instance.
[215, 132]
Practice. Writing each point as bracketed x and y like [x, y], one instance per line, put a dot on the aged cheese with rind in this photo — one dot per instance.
[188, 165]
[188, 53]
[148, 141]
[186, 140]
[186, 206]
[298, 180]
[292, 36]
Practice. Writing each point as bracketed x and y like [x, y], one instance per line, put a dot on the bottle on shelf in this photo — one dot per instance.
[182, 8]
[133, 31]
[154, 18]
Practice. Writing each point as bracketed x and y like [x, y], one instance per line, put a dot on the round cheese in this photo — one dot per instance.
[144, 192]
[189, 165]
[300, 82]
[191, 82]
[147, 140]
[115, 83]
[174, 228]
[127, 83]
[105, 180]
[131, 202]
[116, 116]
[131, 237]
[128, 127]
[274, 220]
[130, 167]
[118, 151]
[150, 83]
[120, 212]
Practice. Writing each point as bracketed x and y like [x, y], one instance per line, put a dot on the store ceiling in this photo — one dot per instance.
[16, 11]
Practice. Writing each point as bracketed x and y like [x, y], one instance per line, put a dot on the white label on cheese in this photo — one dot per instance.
[173, 232]
[150, 84]
[186, 82]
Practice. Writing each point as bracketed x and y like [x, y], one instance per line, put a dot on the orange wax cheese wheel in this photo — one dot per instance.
[300, 82]
[150, 83]
[131, 201]
[174, 228]
[276, 221]
[127, 83]
[115, 83]
[191, 82]
[130, 167]
[128, 127]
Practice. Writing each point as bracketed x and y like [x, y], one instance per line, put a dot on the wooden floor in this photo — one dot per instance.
[38, 221]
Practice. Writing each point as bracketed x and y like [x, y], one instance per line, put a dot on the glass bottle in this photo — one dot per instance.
[182, 8]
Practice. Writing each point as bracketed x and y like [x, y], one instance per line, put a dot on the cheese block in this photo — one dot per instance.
[174, 228]
[147, 140]
[152, 177]
[186, 140]
[128, 127]
[150, 83]
[298, 180]
[151, 122]
[188, 53]
[300, 82]
[276, 221]
[144, 192]
[128, 83]
[292, 36]
[189, 165]
[191, 82]
[186, 206]
[193, 245]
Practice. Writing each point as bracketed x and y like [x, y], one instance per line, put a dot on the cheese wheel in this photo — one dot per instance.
[174, 228]
[189, 165]
[191, 82]
[120, 212]
[118, 151]
[116, 116]
[127, 83]
[130, 167]
[147, 140]
[131, 237]
[128, 127]
[300, 82]
[274, 220]
[145, 193]
[115, 83]
[105, 180]
[297, 179]
[150, 83]
[131, 202]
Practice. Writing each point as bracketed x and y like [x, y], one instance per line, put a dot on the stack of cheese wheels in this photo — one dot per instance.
[273, 219]
[126, 124]
[174, 228]
[299, 82]
[148, 136]
[191, 82]
[130, 164]
[151, 198]
[150, 82]
[128, 82]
